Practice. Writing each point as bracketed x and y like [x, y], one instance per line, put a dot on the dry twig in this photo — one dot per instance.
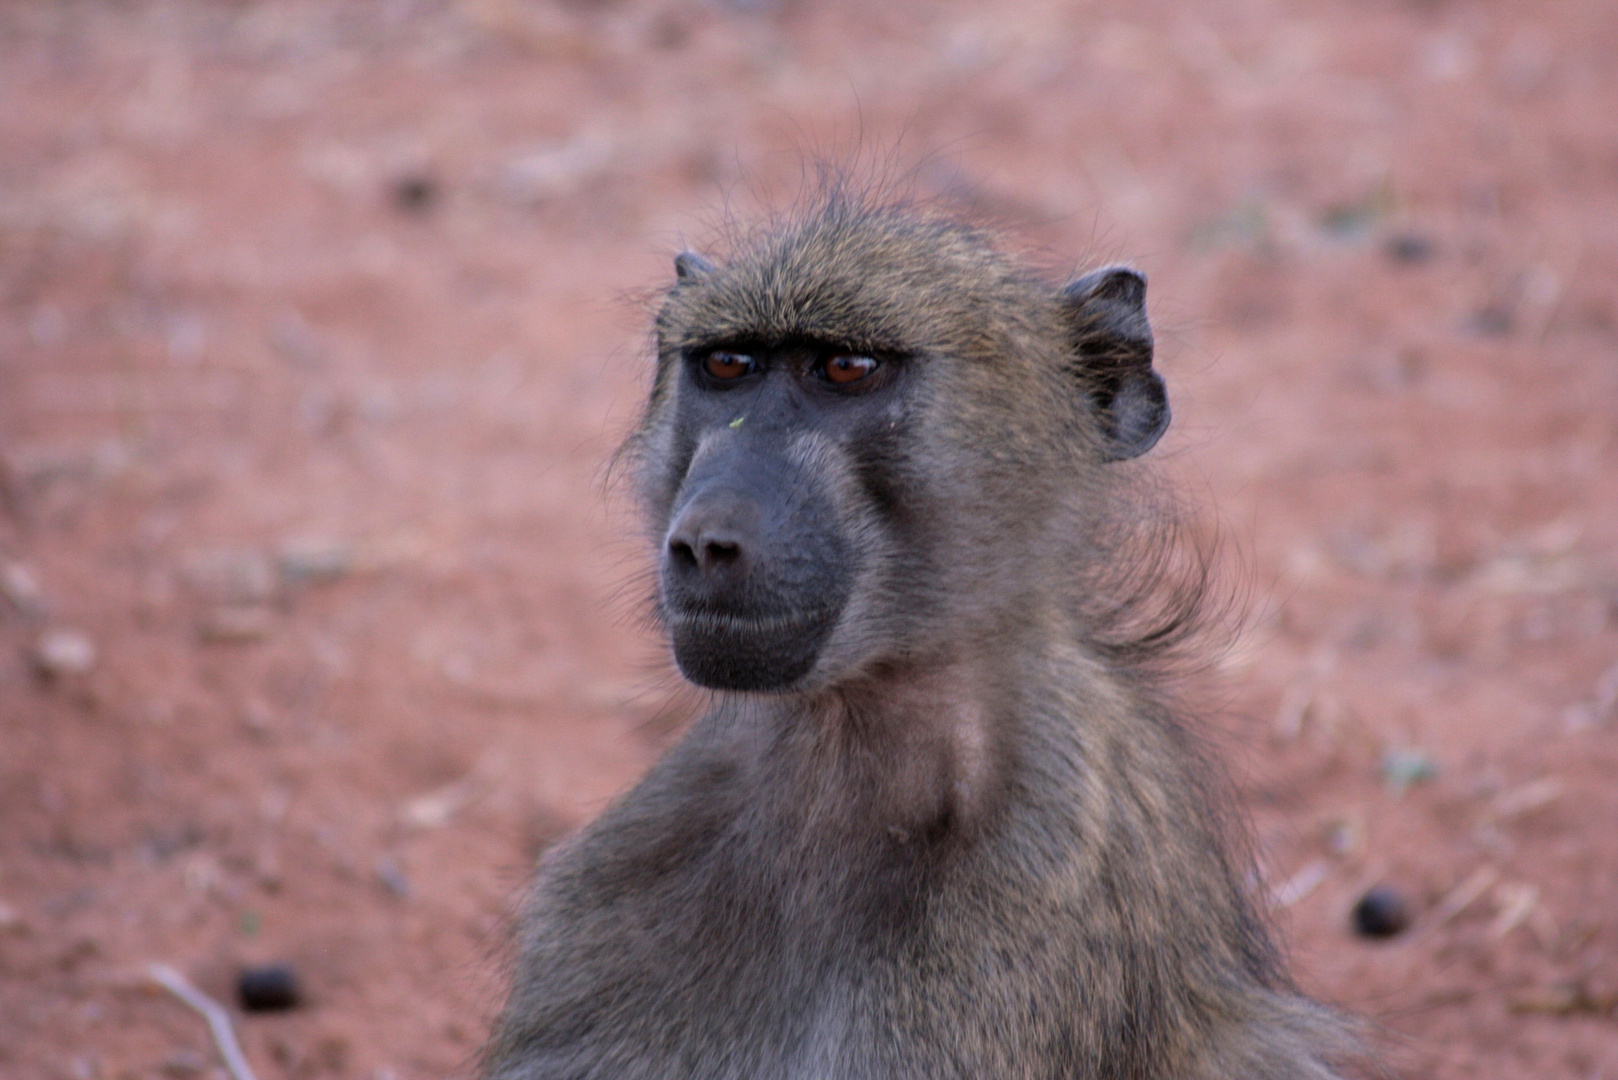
[1302, 883]
[1461, 896]
[224, 1035]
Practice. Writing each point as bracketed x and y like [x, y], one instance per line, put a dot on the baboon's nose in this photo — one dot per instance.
[706, 539]
[704, 552]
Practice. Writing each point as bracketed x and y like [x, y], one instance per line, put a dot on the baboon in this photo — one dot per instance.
[942, 818]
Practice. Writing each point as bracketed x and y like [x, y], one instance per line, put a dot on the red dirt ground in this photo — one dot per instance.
[317, 328]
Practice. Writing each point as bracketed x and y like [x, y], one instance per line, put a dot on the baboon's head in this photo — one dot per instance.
[866, 438]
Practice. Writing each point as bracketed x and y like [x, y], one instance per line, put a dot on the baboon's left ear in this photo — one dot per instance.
[1107, 309]
[689, 266]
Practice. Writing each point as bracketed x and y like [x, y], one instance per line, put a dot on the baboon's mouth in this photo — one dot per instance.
[728, 651]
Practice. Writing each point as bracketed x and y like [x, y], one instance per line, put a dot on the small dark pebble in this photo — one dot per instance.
[669, 31]
[270, 988]
[1411, 248]
[1493, 320]
[1381, 913]
[415, 194]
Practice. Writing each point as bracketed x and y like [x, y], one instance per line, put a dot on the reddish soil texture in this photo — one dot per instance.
[318, 326]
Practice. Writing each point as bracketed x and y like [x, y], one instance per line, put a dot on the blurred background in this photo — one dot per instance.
[319, 323]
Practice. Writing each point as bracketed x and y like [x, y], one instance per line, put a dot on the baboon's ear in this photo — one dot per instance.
[1114, 343]
[689, 266]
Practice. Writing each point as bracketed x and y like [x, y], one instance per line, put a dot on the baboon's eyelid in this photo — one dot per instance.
[740, 365]
[829, 369]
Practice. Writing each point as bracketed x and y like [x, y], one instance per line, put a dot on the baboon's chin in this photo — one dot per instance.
[767, 654]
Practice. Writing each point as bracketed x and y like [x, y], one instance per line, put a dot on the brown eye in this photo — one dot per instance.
[725, 366]
[846, 368]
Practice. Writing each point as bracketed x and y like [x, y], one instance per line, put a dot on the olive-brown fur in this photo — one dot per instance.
[977, 840]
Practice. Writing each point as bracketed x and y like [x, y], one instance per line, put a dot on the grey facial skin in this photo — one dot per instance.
[942, 819]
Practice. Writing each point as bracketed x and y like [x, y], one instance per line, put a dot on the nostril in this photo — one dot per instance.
[681, 552]
[719, 552]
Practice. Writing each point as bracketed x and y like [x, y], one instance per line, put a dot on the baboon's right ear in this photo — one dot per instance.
[689, 266]
[1107, 308]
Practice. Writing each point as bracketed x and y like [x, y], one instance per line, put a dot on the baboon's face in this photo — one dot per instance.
[770, 529]
[856, 439]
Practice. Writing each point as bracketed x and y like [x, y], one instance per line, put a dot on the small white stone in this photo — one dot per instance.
[21, 587]
[64, 653]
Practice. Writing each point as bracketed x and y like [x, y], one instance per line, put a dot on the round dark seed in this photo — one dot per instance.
[1411, 248]
[268, 988]
[1381, 913]
[415, 194]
